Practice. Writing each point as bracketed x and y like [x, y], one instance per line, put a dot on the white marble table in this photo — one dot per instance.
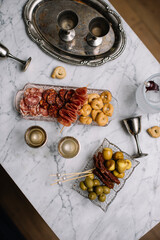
[136, 207]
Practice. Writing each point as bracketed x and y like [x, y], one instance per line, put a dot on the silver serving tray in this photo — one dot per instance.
[40, 17]
[117, 187]
[20, 95]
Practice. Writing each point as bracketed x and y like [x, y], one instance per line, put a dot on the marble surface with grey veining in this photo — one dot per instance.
[135, 210]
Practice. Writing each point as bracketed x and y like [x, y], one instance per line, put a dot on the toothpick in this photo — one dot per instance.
[69, 179]
[62, 129]
[77, 173]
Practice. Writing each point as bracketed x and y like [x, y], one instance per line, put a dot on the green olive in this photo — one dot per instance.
[118, 155]
[88, 182]
[91, 175]
[98, 190]
[96, 182]
[102, 197]
[106, 190]
[83, 186]
[90, 189]
[92, 195]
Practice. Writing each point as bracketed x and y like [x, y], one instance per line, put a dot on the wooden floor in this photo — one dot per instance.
[143, 16]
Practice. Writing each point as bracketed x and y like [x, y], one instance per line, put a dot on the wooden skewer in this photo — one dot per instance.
[71, 176]
[77, 173]
[70, 179]
[62, 129]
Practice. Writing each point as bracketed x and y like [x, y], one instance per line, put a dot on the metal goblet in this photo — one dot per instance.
[98, 28]
[133, 126]
[4, 52]
[67, 21]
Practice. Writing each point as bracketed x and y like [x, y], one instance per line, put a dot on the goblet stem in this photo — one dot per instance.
[17, 59]
[25, 63]
[138, 146]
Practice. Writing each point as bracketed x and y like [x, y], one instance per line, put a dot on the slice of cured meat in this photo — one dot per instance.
[24, 109]
[63, 113]
[34, 111]
[81, 91]
[43, 111]
[53, 111]
[64, 122]
[32, 96]
[62, 93]
[46, 92]
[69, 94]
[31, 100]
[29, 91]
[51, 98]
[43, 104]
[59, 102]
[72, 107]
[76, 103]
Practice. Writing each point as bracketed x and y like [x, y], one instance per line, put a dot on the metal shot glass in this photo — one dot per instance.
[68, 147]
[67, 21]
[98, 28]
[35, 137]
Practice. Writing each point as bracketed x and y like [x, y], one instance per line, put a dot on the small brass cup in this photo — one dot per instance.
[68, 147]
[35, 137]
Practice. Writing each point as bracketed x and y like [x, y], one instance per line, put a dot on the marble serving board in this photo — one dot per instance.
[20, 95]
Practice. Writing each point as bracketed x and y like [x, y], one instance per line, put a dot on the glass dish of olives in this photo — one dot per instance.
[118, 162]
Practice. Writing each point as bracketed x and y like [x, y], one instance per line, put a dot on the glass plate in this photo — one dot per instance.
[20, 95]
[117, 187]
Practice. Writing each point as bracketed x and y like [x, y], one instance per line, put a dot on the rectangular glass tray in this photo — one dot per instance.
[113, 193]
[20, 95]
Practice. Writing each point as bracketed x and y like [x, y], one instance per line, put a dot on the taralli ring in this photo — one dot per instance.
[106, 96]
[97, 103]
[59, 72]
[92, 96]
[85, 120]
[102, 119]
[154, 131]
[108, 109]
[86, 110]
[94, 114]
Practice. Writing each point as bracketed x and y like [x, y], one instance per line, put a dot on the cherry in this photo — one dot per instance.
[151, 85]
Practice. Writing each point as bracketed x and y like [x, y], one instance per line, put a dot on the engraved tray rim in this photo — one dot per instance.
[71, 59]
[20, 94]
[113, 193]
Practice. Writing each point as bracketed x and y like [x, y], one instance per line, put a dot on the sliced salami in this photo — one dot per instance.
[62, 93]
[59, 102]
[46, 92]
[43, 112]
[81, 91]
[51, 98]
[53, 111]
[69, 94]
[44, 104]
[31, 101]
[24, 109]
[64, 122]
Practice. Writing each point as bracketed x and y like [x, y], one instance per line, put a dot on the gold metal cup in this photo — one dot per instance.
[68, 147]
[35, 137]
